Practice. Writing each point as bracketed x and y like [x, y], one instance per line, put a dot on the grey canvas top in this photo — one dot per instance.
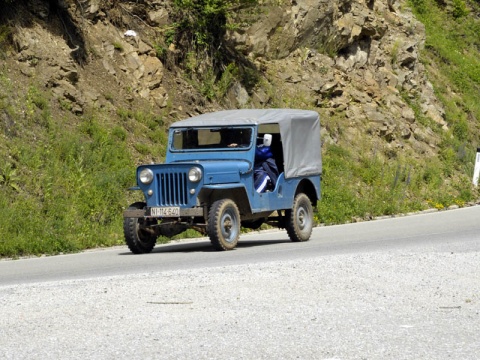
[299, 129]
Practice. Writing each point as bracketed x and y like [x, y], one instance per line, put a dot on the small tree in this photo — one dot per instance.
[201, 25]
[459, 9]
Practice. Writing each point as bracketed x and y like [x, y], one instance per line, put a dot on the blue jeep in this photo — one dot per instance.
[228, 169]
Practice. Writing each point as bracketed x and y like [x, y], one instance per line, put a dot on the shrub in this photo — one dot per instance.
[420, 6]
[459, 9]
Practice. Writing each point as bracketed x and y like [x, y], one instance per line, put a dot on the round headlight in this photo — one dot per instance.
[195, 174]
[146, 176]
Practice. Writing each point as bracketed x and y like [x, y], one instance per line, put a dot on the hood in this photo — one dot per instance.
[222, 171]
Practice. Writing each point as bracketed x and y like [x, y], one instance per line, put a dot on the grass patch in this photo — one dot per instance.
[75, 199]
[74, 202]
[360, 187]
[63, 189]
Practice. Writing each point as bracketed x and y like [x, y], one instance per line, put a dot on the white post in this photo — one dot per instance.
[476, 172]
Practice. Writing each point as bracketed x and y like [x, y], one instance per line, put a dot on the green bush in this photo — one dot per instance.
[459, 9]
[420, 6]
[199, 31]
[205, 21]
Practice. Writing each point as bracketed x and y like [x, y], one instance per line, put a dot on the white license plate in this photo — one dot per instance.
[165, 211]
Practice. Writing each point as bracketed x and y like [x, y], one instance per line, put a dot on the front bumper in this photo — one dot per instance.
[145, 213]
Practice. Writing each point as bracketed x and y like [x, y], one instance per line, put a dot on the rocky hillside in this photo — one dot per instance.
[84, 65]
[357, 60]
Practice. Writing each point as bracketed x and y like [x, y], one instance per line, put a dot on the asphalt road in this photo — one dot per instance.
[402, 288]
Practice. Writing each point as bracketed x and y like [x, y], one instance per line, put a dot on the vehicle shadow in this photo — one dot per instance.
[204, 245]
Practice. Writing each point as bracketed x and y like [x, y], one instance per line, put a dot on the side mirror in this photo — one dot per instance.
[267, 139]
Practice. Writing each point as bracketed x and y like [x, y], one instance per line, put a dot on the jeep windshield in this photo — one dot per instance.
[213, 138]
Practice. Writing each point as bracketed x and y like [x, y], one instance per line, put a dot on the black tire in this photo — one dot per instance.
[299, 220]
[137, 235]
[223, 226]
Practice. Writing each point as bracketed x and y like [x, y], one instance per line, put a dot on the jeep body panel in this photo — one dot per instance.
[283, 194]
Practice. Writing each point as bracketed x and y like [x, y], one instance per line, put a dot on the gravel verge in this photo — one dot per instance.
[416, 304]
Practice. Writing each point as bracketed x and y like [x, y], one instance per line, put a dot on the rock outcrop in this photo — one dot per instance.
[356, 59]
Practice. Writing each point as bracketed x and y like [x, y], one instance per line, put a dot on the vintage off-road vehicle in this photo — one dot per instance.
[207, 180]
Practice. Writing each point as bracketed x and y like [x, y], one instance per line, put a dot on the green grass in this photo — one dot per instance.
[67, 193]
[364, 186]
[64, 186]
[452, 47]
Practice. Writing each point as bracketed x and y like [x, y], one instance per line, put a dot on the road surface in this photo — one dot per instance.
[402, 288]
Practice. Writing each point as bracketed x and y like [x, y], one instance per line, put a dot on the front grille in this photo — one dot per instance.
[172, 189]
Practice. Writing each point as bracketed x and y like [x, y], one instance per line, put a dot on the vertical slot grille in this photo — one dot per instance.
[172, 189]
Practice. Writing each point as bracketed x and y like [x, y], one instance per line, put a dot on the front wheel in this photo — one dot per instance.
[300, 218]
[223, 226]
[139, 236]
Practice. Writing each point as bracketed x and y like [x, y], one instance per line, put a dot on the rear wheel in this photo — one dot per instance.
[140, 238]
[224, 224]
[299, 220]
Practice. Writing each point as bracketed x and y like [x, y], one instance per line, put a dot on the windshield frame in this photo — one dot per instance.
[211, 138]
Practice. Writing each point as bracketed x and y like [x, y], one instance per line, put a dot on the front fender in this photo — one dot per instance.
[237, 192]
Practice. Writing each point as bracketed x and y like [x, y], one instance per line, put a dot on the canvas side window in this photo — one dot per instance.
[276, 146]
[269, 129]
